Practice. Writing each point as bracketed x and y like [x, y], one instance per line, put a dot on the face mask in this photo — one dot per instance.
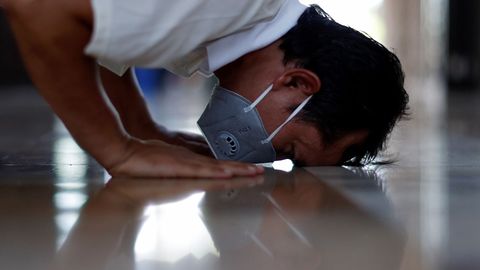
[234, 130]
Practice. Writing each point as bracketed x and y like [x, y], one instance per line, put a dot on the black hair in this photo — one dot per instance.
[362, 82]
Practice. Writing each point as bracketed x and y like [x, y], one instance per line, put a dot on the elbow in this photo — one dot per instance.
[29, 11]
[47, 16]
[15, 9]
[7, 6]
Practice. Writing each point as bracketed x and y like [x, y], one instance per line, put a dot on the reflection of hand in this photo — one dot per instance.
[155, 159]
[116, 212]
[144, 191]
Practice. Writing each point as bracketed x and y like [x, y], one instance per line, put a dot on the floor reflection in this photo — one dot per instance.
[70, 164]
[278, 221]
[173, 231]
[54, 203]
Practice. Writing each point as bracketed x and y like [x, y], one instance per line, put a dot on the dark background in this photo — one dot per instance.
[11, 67]
[462, 66]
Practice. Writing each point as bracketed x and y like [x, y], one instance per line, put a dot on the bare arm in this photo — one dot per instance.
[128, 100]
[52, 35]
[64, 76]
[126, 97]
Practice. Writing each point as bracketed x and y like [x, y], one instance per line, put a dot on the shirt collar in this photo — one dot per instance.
[232, 47]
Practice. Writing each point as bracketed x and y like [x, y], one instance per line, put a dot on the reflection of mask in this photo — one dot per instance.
[231, 216]
[234, 218]
[234, 130]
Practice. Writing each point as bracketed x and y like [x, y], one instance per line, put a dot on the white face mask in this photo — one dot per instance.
[234, 130]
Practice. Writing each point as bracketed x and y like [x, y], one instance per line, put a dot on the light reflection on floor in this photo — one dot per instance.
[71, 164]
[174, 231]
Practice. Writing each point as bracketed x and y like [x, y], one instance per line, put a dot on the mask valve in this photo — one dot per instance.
[227, 144]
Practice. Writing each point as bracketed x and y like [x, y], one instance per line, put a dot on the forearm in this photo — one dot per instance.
[126, 97]
[51, 39]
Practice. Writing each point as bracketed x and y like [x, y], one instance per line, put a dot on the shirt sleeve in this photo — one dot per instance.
[153, 33]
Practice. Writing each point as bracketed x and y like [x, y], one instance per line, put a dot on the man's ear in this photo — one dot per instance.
[300, 79]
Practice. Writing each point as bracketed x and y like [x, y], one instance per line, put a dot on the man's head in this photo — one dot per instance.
[356, 83]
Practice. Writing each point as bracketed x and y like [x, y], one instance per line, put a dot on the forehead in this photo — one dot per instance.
[310, 150]
[309, 147]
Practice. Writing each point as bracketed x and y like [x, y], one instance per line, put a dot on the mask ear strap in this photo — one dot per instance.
[259, 99]
[295, 112]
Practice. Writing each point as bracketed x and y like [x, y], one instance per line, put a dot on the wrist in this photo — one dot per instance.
[150, 131]
[116, 152]
[138, 126]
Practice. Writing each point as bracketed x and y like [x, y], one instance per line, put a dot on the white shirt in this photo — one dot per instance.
[186, 36]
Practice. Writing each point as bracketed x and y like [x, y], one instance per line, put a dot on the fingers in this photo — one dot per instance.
[207, 168]
[232, 168]
[153, 159]
[241, 169]
[210, 168]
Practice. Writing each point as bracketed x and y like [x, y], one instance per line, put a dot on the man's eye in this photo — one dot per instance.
[288, 152]
[291, 154]
[295, 160]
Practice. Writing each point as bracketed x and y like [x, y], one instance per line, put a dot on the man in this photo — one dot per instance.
[349, 87]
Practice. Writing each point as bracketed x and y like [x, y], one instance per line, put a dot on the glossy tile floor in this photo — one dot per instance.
[59, 210]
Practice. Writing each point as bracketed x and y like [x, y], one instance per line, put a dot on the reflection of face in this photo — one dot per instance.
[308, 225]
[285, 232]
[282, 242]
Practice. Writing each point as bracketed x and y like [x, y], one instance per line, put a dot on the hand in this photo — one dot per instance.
[156, 159]
[192, 141]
